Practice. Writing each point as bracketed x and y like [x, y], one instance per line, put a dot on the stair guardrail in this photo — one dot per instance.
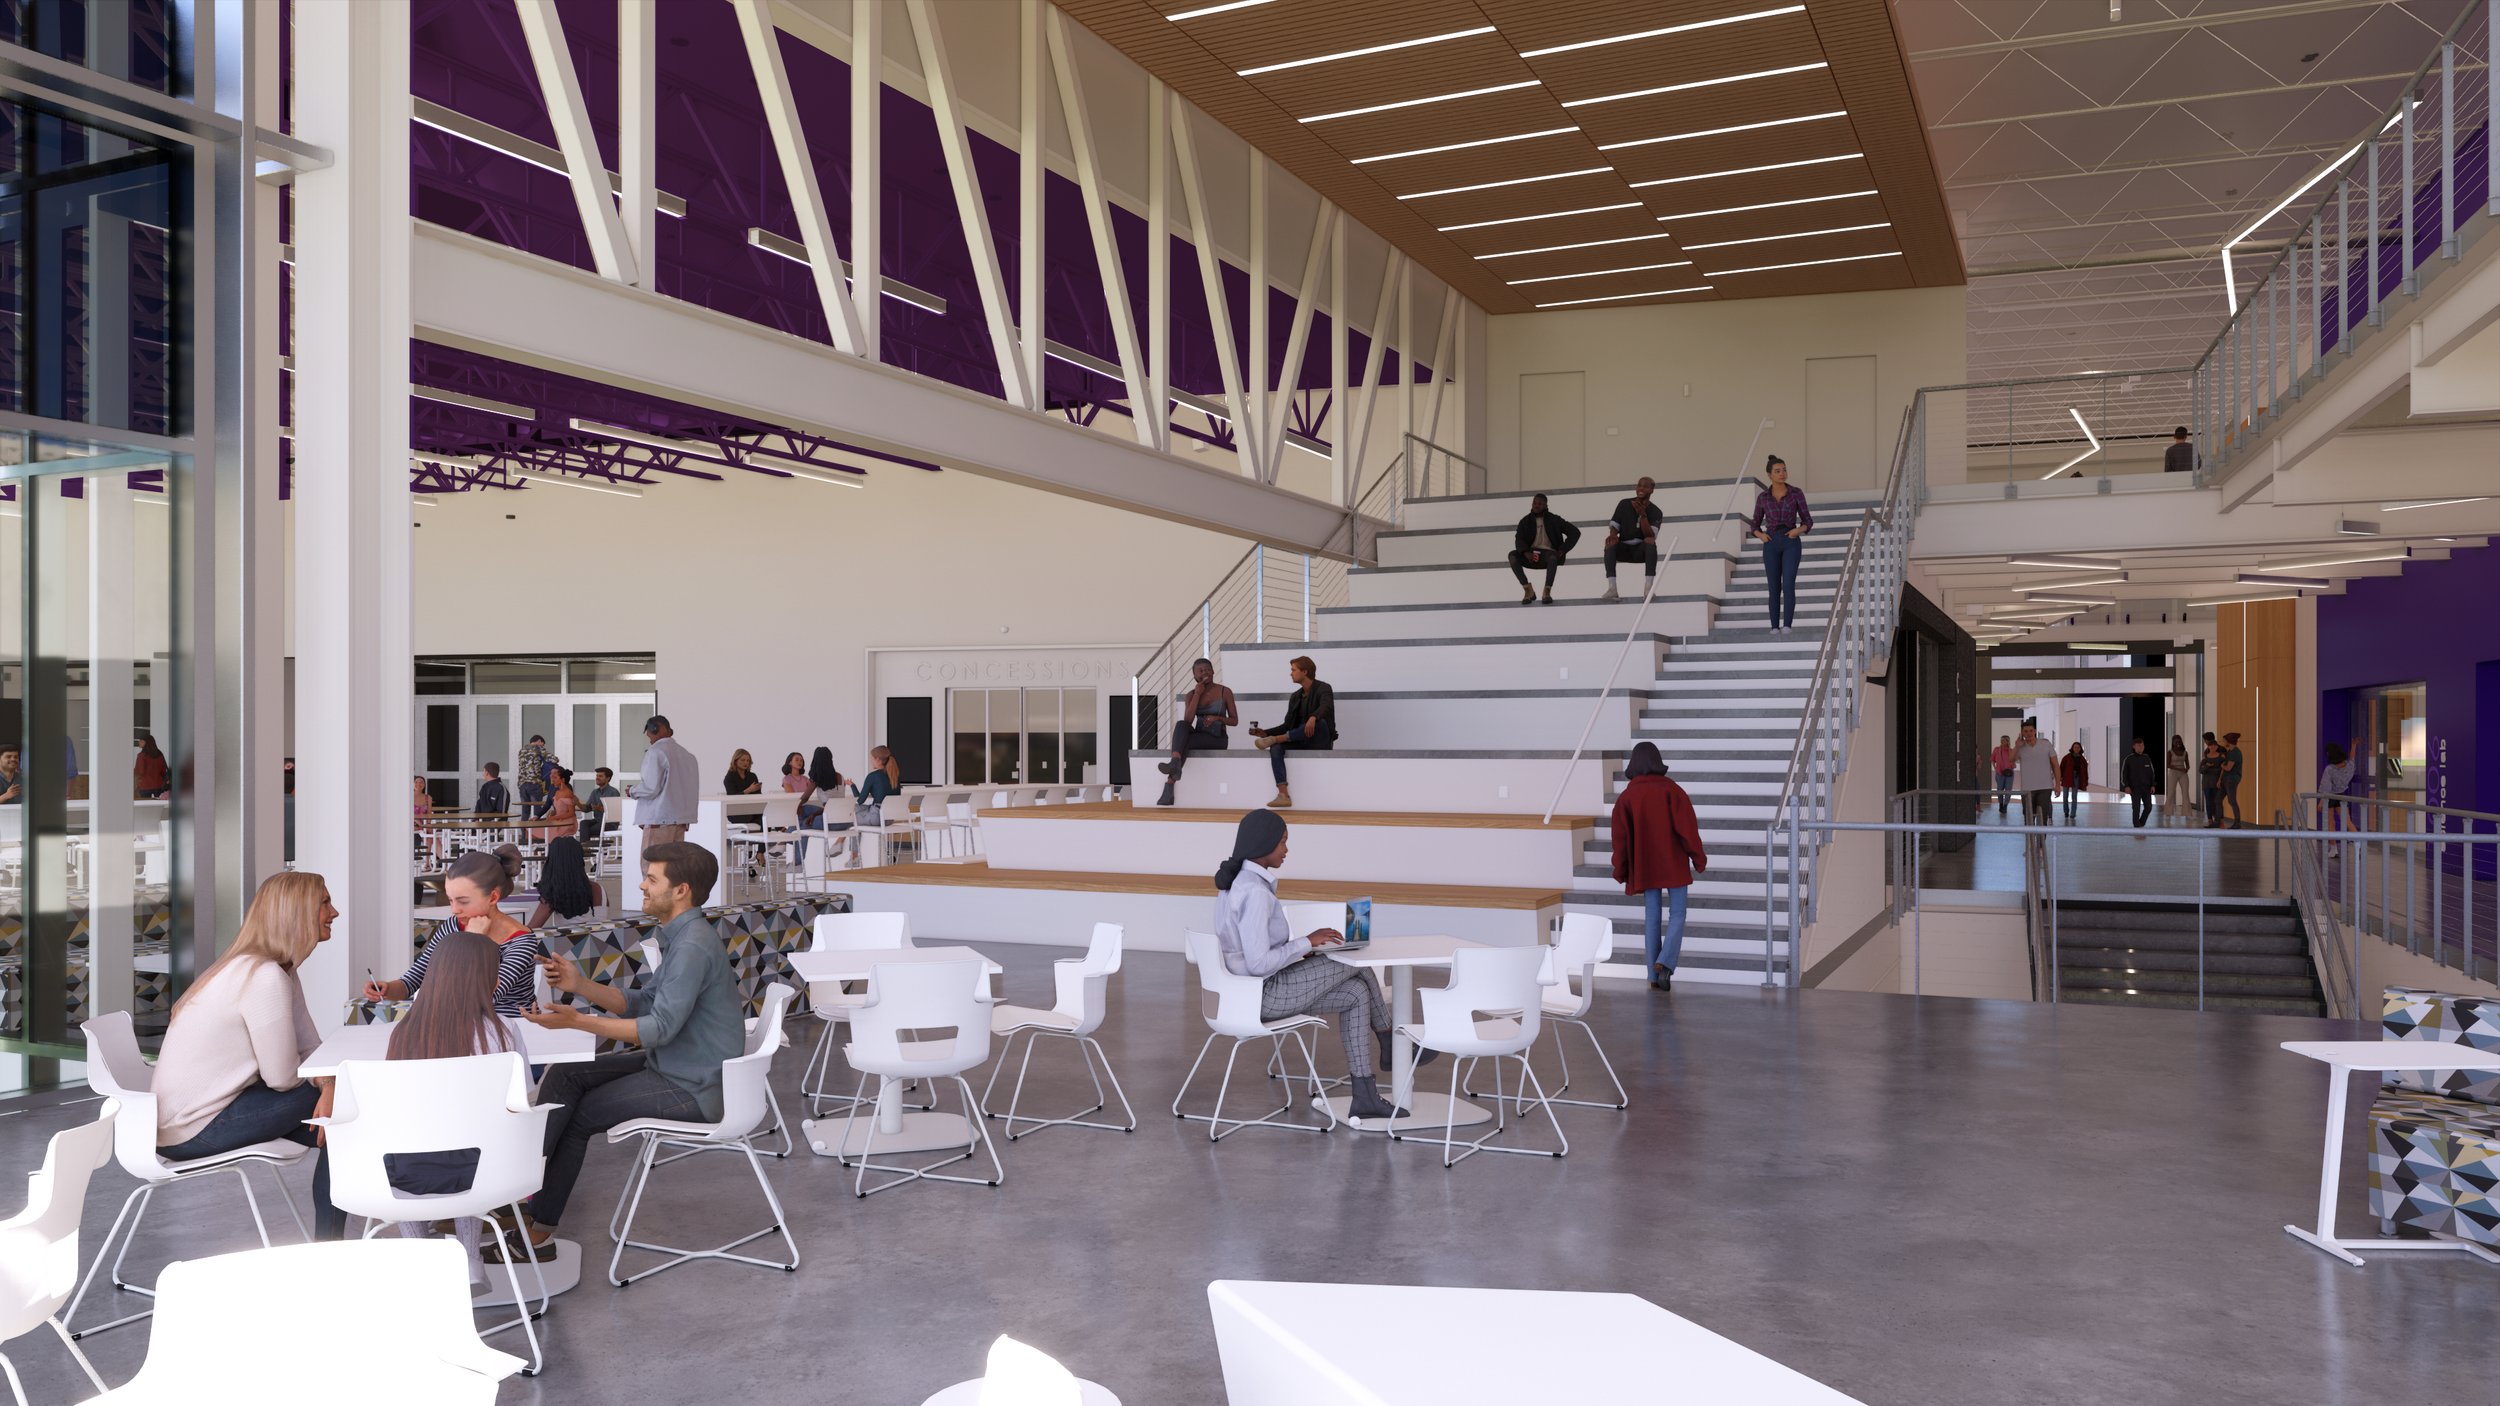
[2437, 896]
[2333, 949]
[2317, 293]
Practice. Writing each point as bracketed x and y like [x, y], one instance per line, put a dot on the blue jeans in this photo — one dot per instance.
[2005, 788]
[1662, 951]
[1276, 754]
[1780, 556]
[263, 1114]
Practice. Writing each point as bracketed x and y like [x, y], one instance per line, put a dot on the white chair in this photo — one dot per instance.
[963, 827]
[776, 844]
[39, 1245]
[1083, 990]
[1465, 1020]
[895, 826]
[390, 1316]
[745, 1084]
[841, 932]
[922, 1020]
[482, 1102]
[116, 1069]
[1235, 1016]
[1581, 942]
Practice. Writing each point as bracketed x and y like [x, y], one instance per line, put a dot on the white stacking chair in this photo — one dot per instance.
[745, 1085]
[1235, 1016]
[777, 843]
[432, 1105]
[390, 1315]
[921, 999]
[116, 1069]
[841, 932]
[1466, 1019]
[963, 827]
[1581, 942]
[1083, 999]
[39, 1245]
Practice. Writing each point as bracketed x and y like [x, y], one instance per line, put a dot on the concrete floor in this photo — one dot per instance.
[1914, 1201]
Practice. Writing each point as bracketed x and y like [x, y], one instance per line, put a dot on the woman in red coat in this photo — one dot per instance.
[1657, 847]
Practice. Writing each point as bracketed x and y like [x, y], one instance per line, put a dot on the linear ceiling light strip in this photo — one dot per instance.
[1808, 263]
[1203, 10]
[1420, 102]
[1696, 83]
[1601, 273]
[1766, 205]
[1549, 215]
[1724, 131]
[1584, 244]
[1519, 181]
[1463, 146]
[1800, 234]
[1656, 33]
[1750, 170]
[1619, 297]
[1367, 51]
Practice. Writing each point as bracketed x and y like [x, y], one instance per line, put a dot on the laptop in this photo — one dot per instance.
[1358, 925]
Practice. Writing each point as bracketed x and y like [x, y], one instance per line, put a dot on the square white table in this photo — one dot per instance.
[2344, 1058]
[896, 1131]
[1402, 955]
[538, 1046]
[1288, 1344]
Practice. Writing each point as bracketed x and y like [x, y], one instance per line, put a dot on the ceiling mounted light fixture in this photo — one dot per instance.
[1584, 244]
[2433, 503]
[1462, 146]
[2230, 280]
[1724, 131]
[2114, 578]
[2392, 554]
[703, 449]
[1367, 50]
[1656, 33]
[1419, 102]
[1748, 170]
[1619, 297]
[491, 406]
[1766, 205]
[1548, 215]
[553, 480]
[1801, 234]
[1517, 181]
[1600, 273]
[2354, 527]
[1809, 263]
[2088, 435]
[1178, 15]
[1697, 83]
[2062, 563]
[2297, 583]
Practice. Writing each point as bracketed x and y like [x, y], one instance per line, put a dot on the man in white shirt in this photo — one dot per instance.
[2035, 772]
[1299, 979]
[670, 788]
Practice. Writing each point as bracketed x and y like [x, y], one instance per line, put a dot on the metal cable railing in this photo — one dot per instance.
[2437, 897]
[2398, 197]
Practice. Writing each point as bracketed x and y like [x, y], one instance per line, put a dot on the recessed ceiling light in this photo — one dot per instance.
[1549, 215]
[2115, 578]
[1749, 170]
[2300, 583]
[2433, 503]
[1368, 49]
[1421, 102]
[1723, 131]
[2393, 554]
[2354, 527]
[1654, 33]
[1801, 234]
[1461, 146]
[2062, 563]
[1810, 263]
[1619, 297]
[1519, 181]
[1600, 273]
[1584, 244]
[1696, 83]
[2075, 600]
[1766, 205]
[1178, 15]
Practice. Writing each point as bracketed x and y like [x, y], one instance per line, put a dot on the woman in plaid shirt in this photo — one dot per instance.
[1780, 520]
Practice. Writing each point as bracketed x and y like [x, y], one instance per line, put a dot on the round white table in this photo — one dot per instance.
[1402, 955]
[2344, 1058]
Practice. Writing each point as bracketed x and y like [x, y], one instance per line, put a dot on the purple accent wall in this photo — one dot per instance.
[2433, 624]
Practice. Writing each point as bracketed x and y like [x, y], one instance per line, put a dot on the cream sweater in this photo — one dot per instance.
[248, 1025]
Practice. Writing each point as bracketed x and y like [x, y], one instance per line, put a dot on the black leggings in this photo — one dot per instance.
[1188, 738]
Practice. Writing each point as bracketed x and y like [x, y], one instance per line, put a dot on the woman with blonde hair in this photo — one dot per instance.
[229, 1075]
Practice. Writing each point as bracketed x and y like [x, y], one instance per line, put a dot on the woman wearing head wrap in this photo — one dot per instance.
[1257, 941]
[1657, 848]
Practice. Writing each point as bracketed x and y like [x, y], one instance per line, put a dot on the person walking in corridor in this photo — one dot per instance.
[1657, 850]
[2234, 768]
[2001, 764]
[2140, 776]
[1780, 522]
[2035, 772]
[2074, 773]
[2179, 800]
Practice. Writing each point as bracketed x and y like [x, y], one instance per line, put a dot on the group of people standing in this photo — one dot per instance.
[2031, 765]
[1780, 520]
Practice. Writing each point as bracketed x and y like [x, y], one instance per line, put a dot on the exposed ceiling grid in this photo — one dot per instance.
[1557, 184]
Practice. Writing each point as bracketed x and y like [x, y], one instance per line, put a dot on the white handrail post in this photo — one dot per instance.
[1306, 596]
[2448, 150]
[1258, 594]
[1206, 628]
[1136, 717]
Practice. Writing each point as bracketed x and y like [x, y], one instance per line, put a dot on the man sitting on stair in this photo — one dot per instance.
[1633, 535]
[1544, 540]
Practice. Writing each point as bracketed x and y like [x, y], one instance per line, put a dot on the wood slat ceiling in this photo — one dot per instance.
[1860, 149]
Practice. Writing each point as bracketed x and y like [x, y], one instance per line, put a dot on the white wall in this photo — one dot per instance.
[1674, 391]
[761, 599]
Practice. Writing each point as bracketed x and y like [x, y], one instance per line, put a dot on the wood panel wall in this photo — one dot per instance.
[2256, 675]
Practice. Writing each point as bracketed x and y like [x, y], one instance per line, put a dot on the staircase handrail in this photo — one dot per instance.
[2334, 952]
[1605, 690]
[2438, 831]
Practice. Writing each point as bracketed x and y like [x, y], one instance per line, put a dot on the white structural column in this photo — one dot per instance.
[561, 88]
[353, 677]
[1340, 447]
[1211, 279]
[638, 130]
[1159, 262]
[1442, 341]
[987, 276]
[798, 172]
[1072, 105]
[1406, 355]
[868, 171]
[110, 654]
[1258, 369]
[1367, 399]
[1289, 377]
[1033, 97]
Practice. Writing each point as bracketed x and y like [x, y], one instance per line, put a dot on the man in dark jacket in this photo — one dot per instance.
[1543, 540]
[1657, 850]
[1632, 534]
[2140, 776]
[492, 799]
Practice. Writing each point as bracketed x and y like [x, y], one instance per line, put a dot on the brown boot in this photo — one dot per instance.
[1283, 801]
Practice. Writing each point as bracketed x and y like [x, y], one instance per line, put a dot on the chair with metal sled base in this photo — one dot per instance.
[1236, 1017]
[1078, 1013]
[1467, 1019]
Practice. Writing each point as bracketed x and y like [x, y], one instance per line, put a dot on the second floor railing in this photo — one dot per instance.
[2434, 892]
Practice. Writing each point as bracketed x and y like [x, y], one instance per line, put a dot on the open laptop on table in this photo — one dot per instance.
[1357, 927]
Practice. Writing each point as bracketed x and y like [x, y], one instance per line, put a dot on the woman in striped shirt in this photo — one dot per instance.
[1780, 520]
[476, 886]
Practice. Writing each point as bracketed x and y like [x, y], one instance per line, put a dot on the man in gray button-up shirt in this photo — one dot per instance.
[686, 1019]
[665, 798]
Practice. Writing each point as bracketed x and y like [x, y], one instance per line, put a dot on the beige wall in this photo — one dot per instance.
[1675, 391]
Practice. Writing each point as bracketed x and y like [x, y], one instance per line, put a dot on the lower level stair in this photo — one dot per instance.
[2243, 958]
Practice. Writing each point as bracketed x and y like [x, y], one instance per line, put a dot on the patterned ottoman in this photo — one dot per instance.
[2435, 1137]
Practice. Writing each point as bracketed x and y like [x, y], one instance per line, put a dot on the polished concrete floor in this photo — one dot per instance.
[1914, 1201]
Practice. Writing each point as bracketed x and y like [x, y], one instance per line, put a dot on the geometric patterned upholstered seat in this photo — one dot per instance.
[2435, 1138]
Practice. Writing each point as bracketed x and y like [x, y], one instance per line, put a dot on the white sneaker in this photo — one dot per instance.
[1610, 591]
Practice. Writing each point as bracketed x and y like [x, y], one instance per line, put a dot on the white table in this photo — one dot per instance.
[538, 1046]
[1401, 955]
[2344, 1058]
[896, 1131]
[1321, 1345]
